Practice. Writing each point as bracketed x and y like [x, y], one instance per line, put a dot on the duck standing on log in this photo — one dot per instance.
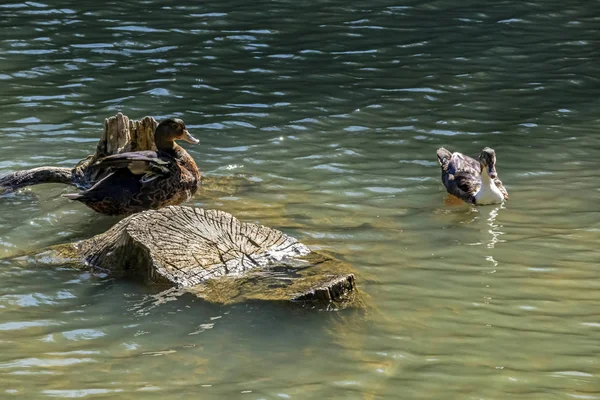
[473, 181]
[142, 180]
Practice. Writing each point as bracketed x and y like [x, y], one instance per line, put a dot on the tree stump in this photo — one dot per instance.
[215, 256]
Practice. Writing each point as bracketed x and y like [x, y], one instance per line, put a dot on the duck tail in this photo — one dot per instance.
[444, 156]
[73, 196]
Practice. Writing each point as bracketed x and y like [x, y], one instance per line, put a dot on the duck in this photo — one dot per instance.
[473, 181]
[136, 181]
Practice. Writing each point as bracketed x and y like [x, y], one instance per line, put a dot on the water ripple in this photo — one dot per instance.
[335, 113]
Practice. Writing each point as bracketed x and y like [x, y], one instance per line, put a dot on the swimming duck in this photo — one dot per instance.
[473, 181]
[142, 180]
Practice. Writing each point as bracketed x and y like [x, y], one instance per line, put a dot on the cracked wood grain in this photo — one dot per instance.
[219, 258]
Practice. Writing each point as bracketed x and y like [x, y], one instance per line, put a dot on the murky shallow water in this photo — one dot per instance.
[335, 110]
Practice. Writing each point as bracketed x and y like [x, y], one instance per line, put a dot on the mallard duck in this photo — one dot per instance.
[473, 181]
[142, 180]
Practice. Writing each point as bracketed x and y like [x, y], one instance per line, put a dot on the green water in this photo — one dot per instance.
[335, 109]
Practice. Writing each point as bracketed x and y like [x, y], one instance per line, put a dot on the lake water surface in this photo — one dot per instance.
[335, 110]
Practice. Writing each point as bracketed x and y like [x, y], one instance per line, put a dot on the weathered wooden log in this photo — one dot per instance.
[19, 179]
[215, 256]
[120, 135]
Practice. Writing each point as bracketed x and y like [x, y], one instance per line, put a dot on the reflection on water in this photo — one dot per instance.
[334, 112]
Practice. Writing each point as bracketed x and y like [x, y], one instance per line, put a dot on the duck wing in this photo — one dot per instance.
[462, 185]
[459, 163]
[138, 163]
[460, 174]
[114, 194]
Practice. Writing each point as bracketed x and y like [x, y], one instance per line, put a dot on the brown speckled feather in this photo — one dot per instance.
[171, 180]
[459, 175]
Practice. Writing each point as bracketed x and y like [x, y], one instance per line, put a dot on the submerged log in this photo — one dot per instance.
[120, 135]
[215, 256]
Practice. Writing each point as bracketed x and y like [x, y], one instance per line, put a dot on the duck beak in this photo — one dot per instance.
[492, 171]
[189, 138]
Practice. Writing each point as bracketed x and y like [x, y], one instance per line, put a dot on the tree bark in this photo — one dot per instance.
[34, 176]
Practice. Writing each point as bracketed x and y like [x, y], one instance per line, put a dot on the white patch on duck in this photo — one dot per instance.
[488, 192]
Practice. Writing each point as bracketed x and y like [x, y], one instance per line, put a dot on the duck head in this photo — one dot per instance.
[487, 161]
[170, 130]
